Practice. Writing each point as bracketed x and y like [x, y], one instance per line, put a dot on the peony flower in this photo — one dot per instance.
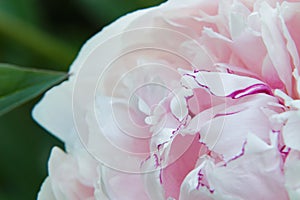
[188, 100]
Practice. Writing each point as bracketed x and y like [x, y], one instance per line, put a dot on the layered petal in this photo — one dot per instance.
[70, 177]
[292, 176]
[187, 100]
[264, 180]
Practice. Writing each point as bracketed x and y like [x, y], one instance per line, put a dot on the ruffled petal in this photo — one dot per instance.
[122, 185]
[46, 192]
[274, 40]
[68, 179]
[290, 130]
[54, 111]
[224, 84]
[292, 174]
[240, 178]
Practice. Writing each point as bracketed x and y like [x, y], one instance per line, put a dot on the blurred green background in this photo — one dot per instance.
[45, 34]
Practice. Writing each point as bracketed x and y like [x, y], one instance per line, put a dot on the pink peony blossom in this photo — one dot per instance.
[195, 99]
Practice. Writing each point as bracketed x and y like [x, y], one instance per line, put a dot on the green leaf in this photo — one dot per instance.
[19, 85]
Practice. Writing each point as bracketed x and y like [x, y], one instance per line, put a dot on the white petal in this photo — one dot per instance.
[46, 192]
[291, 130]
[292, 174]
[255, 175]
[143, 106]
[178, 103]
[122, 185]
[221, 84]
[54, 111]
[275, 44]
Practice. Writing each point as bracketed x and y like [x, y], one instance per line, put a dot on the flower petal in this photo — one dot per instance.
[240, 178]
[275, 44]
[290, 130]
[46, 192]
[122, 185]
[48, 112]
[66, 179]
[221, 84]
[292, 174]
